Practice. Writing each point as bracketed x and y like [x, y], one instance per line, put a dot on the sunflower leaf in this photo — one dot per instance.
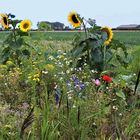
[77, 51]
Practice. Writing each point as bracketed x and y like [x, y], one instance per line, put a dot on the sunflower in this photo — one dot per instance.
[74, 19]
[109, 34]
[4, 21]
[25, 25]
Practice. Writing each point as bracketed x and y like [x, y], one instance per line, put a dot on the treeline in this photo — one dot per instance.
[50, 26]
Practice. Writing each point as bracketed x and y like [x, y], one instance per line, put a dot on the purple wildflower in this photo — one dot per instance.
[57, 95]
[57, 98]
[82, 86]
[76, 81]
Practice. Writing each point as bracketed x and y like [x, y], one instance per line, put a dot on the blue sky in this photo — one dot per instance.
[106, 12]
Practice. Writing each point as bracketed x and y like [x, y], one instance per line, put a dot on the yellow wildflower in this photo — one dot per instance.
[3, 67]
[36, 77]
[50, 67]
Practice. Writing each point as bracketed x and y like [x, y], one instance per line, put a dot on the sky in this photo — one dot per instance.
[106, 12]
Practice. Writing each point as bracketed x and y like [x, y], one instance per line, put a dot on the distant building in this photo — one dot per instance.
[128, 27]
[56, 25]
[67, 28]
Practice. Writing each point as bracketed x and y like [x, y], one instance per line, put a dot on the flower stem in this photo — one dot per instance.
[86, 37]
[14, 34]
[104, 57]
[85, 30]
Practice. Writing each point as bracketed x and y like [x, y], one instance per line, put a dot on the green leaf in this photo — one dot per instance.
[26, 53]
[78, 50]
[96, 55]
[9, 39]
[115, 44]
[121, 61]
[91, 22]
[120, 94]
[137, 82]
[5, 54]
[92, 43]
[11, 15]
[14, 22]
[20, 33]
[20, 42]
[109, 55]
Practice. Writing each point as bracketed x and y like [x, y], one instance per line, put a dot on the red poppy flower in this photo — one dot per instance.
[107, 78]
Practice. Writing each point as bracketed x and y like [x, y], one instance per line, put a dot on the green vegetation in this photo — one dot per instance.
[67, 36]
[129, 38]
[43, 26]
[69, 86]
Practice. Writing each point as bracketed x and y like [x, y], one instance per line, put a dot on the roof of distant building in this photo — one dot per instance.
[129, 26]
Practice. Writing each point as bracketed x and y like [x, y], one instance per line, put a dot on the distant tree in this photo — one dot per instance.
[43, 26]
[57, 25]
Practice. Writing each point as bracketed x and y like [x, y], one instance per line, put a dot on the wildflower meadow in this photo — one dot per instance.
[85, 88]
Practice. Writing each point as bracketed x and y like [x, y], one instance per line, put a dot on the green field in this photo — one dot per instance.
[129, 38]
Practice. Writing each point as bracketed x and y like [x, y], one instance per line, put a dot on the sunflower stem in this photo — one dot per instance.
[85, 30]
[104, 56]
[14, 34]
[86, 37]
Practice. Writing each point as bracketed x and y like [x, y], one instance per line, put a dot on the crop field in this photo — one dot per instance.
[130, 38]
[69, 85]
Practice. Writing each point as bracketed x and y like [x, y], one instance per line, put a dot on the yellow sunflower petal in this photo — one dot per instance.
[25, 25]
[74, 19]
[109, 34]
[4, 21]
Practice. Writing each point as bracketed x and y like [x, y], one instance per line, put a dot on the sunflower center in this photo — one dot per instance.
[5, 20]
[25, 26]
[74, 19]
